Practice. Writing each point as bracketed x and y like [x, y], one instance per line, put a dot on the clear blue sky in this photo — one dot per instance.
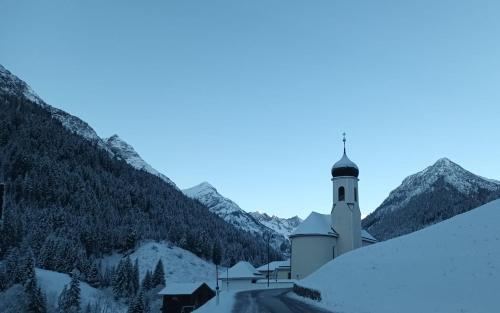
[253, 96]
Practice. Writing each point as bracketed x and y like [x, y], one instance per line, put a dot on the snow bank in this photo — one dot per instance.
[449, 267]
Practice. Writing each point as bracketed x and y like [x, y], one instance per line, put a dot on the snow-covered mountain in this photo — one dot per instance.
[449, 267]
[233, 214]
[126, 152]
[284, 226]
[224, 207]
[438, 192]
[10, 84]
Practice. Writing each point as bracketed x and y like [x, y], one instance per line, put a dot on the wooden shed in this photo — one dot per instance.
[185, 297]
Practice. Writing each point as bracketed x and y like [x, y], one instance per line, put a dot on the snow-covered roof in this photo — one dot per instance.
[242, 269]
[180, 288]
[320, 224]
[315, 224]
[345, 162]
[366, 236]
[274, 265]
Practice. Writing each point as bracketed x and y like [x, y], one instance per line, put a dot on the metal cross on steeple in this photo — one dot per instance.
[344, 140]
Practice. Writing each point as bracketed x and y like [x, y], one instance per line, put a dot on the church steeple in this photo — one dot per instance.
[346, 216]
[345, 167]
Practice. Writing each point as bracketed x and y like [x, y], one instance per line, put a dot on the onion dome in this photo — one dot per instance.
[345, 167]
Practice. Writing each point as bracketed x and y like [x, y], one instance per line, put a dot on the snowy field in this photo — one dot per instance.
[181, 266]
[452, 266]
[52, 283]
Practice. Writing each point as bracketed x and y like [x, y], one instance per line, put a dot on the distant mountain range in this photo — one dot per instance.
[437, 193]
[252, 222]
[284, 226]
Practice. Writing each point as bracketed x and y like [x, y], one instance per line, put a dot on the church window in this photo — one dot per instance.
[355, 194]
[333, 252]
[341, 194]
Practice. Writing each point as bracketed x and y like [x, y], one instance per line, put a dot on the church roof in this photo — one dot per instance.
[345, 167]
[320, 224]
[315, 224]
[365, 235]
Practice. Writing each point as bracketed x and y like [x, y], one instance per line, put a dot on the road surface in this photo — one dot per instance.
[271, 301]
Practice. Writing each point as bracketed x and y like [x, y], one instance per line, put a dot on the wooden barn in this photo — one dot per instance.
[185, 297]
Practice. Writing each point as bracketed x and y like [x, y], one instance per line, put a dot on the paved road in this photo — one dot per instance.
[271, 301]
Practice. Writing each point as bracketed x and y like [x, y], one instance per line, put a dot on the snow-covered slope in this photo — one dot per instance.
[13, 86]
[181, 266]
[126, 152]
[438, 192]
[284, 226]
[448, 267]
[52, 283]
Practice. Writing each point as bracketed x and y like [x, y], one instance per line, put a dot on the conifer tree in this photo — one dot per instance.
[120, 280]
[158, 275]
[138, 305]
[69, 300]
[93, 276]
[35, 299]
[135, 277]
[147, 283]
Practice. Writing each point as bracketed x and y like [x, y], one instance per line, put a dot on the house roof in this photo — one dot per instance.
[242, 269]
[274, 265]
[180, 288]
[366, 236]
[320, 224]
[315, 224]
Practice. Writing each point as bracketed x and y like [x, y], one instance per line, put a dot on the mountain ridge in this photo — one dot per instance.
[125, 151]
[438, 192]
[234, 214]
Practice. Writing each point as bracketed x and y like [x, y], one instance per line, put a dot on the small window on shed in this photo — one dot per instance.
[341, 194]
[355, 194]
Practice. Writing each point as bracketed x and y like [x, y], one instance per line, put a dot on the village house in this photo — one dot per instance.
[185, 297]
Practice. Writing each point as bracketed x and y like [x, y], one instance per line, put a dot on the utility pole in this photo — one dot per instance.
[269, 235]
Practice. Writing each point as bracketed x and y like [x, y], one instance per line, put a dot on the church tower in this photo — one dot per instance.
[346, 215]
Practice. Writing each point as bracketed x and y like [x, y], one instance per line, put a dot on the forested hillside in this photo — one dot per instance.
[72, 201]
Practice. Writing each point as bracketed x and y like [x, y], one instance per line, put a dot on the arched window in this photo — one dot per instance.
[355, 194]
[341, 194]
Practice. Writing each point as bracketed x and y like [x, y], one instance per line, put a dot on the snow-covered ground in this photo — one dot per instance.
[452, 266]
[181, 266]
[52, 283]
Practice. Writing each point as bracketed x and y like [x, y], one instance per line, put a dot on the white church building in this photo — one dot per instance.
[323, 237]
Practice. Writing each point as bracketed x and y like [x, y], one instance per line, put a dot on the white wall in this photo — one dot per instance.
[309, 253]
